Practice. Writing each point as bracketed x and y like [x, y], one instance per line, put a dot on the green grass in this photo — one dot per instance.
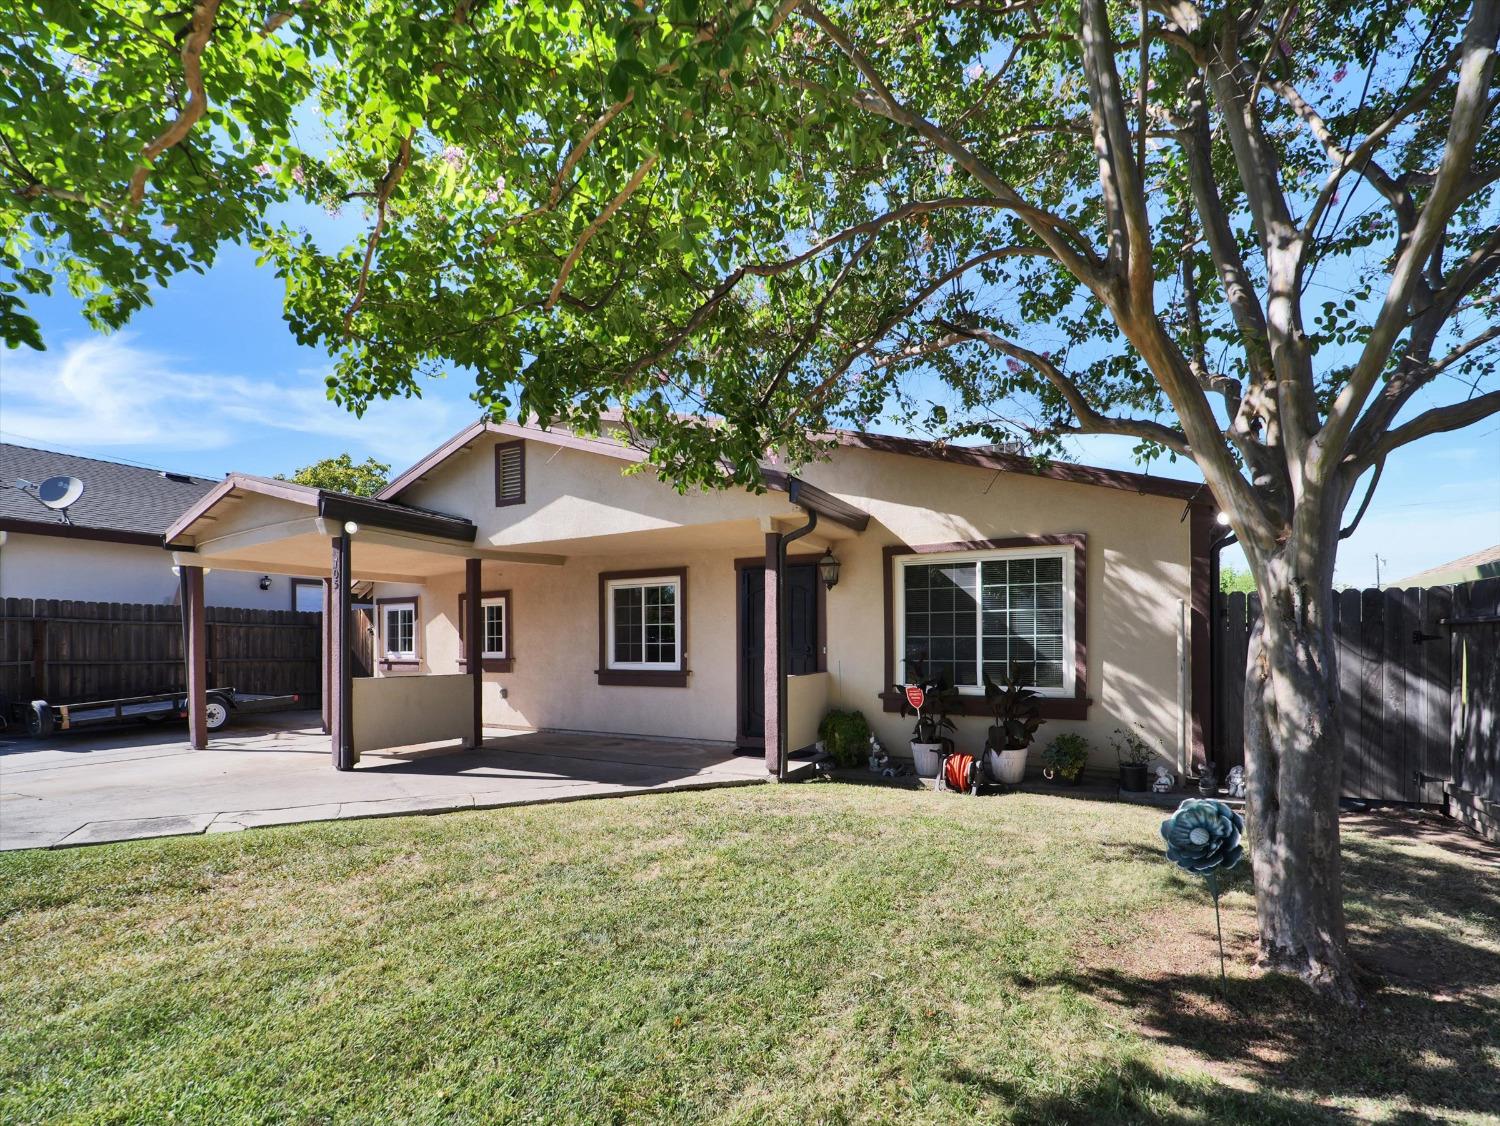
[807, 953]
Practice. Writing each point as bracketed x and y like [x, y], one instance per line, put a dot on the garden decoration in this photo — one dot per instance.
[1235, 783]
[1165, 782]
[1203, 837]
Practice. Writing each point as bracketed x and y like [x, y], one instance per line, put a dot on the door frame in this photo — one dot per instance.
[758, 563]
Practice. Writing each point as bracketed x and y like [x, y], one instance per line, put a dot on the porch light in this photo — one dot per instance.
[828, 569]
[350, 527]
[1222, 519]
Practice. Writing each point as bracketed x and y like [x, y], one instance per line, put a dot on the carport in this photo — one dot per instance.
[257, 524]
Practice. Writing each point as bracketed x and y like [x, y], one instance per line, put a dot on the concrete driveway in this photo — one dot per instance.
[274, 770]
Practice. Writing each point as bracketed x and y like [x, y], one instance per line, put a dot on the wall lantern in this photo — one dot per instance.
[265, 582]
[828, 569]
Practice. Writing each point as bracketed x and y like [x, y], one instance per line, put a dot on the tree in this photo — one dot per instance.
[341, 475]
[1232, 580]
[1262, 236]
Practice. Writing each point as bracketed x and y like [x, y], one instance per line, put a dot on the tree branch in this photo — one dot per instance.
[383, 190]
[1439, 420]
[635, 181]
[199, 32]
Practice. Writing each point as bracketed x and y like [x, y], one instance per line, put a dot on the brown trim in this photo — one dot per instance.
[416, 632]
[1200, 675]
[501, 502]
[1010, 463]
[319, 583]
[459, 441]
[76, 532]
[1052, 707]
[644, 678]
[488, 664]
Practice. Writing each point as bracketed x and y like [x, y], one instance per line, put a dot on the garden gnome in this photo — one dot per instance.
[1165, 782]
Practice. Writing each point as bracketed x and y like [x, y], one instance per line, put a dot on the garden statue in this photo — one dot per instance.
[1208, 780]
[879, 760]
[1235, 783]
[1165, 782]
[1203, 837]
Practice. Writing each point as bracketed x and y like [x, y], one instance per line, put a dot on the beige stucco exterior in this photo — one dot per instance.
[580, 508]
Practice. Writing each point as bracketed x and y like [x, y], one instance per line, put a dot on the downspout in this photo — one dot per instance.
[781, 636]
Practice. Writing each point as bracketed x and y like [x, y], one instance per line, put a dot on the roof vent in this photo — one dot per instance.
[180, 478]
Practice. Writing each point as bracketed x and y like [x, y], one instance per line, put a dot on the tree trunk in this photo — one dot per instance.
[1294, 750]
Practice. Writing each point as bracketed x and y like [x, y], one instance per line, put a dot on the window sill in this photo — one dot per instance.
[392, 663]
[491, 664]
[1052, 707]
[643, 678]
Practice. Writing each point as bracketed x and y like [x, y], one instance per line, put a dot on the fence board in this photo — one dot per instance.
[68, 652]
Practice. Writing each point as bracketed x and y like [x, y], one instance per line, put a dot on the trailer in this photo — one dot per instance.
[42, 718]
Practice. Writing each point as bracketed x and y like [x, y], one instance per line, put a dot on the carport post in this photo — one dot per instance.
[474, 627]
[342, 674]
[196, 655]
[327, 654]
[771, 662]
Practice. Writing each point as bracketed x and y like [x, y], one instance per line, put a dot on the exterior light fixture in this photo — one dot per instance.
[350, 527]
[828, 569]
[265, 582]
[1223, 519]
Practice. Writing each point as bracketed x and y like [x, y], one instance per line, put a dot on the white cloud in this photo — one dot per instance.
[106, 393]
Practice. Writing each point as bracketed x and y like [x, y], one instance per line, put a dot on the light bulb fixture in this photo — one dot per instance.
[828, 569]
[1222, 519]
[351, 528]
[265, 582]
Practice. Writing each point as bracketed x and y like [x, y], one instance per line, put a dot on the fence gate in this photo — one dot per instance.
[1419, 678]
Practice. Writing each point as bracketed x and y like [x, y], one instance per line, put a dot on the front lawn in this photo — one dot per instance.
[804, 953]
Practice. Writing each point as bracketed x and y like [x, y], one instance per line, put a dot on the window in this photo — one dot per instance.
[510, 474]
[644, 623]
[494, 630]
[999, 613]
[307, 595]
[398, 628]
[492, 622]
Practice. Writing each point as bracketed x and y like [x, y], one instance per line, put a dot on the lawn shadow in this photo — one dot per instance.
[1416, 919]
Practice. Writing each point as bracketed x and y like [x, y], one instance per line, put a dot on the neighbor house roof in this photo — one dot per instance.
[985, 457]
[123, 503]
[1482, 564]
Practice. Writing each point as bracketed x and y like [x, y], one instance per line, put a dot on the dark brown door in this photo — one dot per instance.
[801, 592]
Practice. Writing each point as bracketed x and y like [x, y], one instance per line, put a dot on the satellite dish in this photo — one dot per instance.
[59, 493]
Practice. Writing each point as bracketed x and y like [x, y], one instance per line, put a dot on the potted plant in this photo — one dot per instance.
[1017, 712]
[928, 739]
[1134, 755]
[845, 736]
[1064, 759]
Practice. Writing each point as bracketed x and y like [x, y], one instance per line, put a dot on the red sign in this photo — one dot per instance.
[915, 696]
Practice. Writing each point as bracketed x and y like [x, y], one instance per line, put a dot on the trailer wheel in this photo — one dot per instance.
[216, 712]
[39, 719]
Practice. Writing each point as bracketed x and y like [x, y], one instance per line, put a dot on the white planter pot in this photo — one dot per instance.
[1006, 767]
[927, 758]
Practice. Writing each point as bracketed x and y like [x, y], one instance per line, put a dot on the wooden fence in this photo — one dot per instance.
[1419, 680]
[66, 652]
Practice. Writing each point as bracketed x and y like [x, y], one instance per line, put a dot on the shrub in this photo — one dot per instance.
[1066, 755]
[1131, 748]
[845, 735]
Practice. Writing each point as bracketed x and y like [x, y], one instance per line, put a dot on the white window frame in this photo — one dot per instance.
[386, 609]
[610, 587]
[1069, 627]
[503, 652]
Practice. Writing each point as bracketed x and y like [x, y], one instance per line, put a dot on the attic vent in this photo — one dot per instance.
[510, 474]
[180, 478]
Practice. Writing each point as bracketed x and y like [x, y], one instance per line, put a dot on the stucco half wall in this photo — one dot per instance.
[392, 712]
[1137, 547]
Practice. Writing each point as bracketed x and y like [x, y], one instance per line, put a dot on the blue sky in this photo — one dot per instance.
[209, 380]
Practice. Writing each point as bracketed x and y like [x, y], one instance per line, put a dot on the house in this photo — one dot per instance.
[522, 580]
[1482, 564]
[109, 546]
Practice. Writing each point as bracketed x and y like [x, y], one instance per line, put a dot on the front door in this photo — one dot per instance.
[803, 642]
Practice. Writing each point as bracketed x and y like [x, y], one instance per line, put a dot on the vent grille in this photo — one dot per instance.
[510, 474]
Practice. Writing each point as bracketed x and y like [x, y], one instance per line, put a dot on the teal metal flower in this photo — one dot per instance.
[1203, 836]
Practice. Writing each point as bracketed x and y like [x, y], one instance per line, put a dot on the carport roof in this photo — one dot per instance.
[332, 506]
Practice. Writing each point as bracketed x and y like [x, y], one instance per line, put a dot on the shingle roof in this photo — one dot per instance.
[1482, 564]
[116, 497]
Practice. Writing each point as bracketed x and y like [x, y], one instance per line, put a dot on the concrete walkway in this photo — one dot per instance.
[274, 770]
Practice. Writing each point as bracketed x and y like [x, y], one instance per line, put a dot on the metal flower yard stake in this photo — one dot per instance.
[1203, 837]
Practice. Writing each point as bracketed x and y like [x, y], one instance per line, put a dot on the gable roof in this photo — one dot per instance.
[1482, 564]
[124, 503]
[985, 457]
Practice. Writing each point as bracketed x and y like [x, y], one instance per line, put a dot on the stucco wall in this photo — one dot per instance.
[405, 712]
[1138, 565]
[98, 571]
